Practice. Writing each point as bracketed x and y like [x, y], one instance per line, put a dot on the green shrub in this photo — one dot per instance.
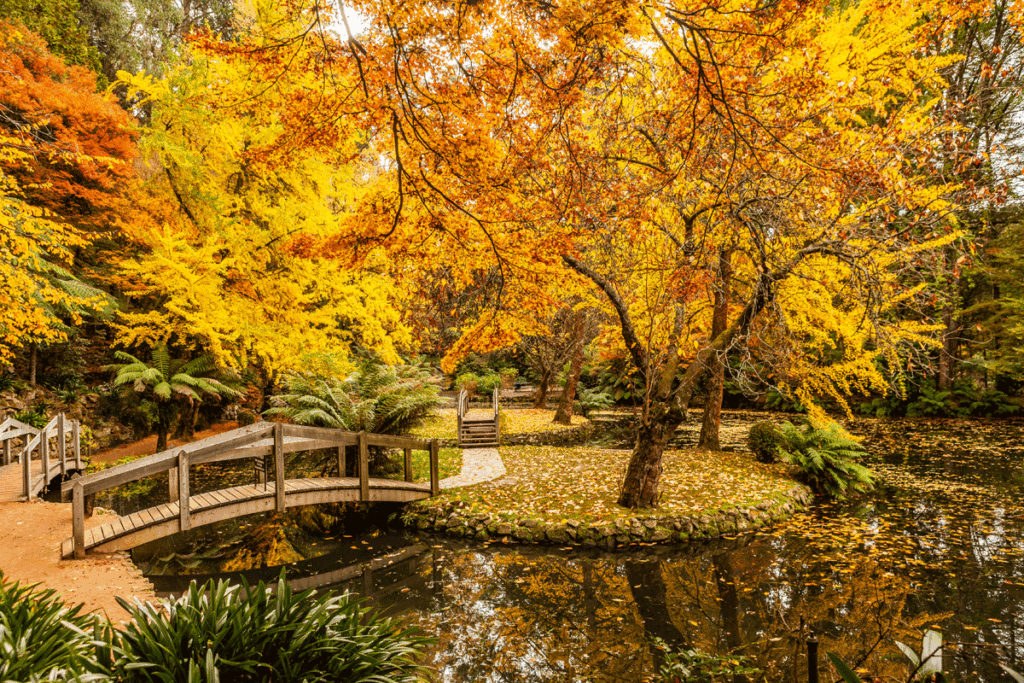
[40, 638]
[827, 459]
[8, 382]
[696, 666]
[246, 417]
[764, 440]
[488, 383]
[591, 400]
[469, 381]
[33, 417]
[224, 632]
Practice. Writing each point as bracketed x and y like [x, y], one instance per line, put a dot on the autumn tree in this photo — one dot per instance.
[224, 264]
[65, 157]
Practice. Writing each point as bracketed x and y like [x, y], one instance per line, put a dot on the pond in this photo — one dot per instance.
[937, 545]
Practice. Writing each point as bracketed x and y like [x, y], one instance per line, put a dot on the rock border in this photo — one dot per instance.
[451, 520]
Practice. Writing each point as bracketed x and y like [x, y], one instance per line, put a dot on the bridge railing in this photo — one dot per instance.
[257, 440]
[65, 451]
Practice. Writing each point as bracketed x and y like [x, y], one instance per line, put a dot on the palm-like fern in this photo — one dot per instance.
[827, 458]
[376, 398]
[169, 380]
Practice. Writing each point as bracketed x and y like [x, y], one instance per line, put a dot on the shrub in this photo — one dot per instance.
[764, 440]
[33, 417]
[468, 381]
[827, 459]
[8, 382]
[488, 383]
[697, 666]
[246, 417]
[508, 377]
[40, 638]
[591, 400]
[220, 631]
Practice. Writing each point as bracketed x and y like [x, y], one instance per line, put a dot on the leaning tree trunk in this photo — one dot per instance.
[640, 487]
[541, 400]
[709, 429]
[564, 413]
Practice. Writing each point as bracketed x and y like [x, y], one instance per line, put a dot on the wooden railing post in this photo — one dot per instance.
[364, 468]
[62, 447]
[408, 464]
[44, 453]
[78, 520]
[341, 461]
[26, 469]
[172, 484]
[7, 451]
[435, 486]
[184, 510]
[76, 443]
[279, 466]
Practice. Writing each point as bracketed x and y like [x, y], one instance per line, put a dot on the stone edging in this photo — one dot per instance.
[450, 521]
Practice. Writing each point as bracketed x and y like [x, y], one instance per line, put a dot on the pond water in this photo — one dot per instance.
[939, 544]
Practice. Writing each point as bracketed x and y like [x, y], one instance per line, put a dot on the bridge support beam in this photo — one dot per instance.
[184, 511]
[78, 519]
[279, 465]
[364, 468]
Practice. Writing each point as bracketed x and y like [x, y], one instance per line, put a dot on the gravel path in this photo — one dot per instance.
[478, 464]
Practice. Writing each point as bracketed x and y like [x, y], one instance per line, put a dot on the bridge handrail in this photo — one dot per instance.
[259, 439]
[12, 429]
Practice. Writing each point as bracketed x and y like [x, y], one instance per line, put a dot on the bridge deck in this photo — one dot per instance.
[207, 508]
[11, 480]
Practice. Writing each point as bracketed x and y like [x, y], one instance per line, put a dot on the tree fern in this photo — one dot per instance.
[827, 458]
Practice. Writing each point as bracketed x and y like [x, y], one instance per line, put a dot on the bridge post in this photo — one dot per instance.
[62, 447]
[408, 464]
[26, 469]
[44, 452]
[76, 443]
[364, 468]
[172, 484]
[435, 477]
[341, 461]
[184, 513]
[7, 451]
[78, 519]
[279, 466]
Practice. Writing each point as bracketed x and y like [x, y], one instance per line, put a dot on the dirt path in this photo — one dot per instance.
[31, 534]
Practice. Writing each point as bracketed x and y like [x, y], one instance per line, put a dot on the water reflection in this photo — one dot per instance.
[938, 545]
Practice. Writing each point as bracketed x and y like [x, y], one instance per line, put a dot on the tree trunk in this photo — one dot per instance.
[163, 427]
[33, 361]
[564, 413]
[716, 386]
[640, 487]
[541, 400]
[187, 424]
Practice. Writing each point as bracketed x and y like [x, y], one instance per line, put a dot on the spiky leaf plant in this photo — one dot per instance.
[378, 398]
[168, 381]
[224, 632]
[43, 640]
[827, 459]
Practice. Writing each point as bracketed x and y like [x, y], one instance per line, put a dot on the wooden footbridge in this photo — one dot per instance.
[266, 444]
[43, 455]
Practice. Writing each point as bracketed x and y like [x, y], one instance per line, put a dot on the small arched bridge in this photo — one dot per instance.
[267, 444]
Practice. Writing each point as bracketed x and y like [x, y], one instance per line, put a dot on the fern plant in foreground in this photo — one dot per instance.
[828, 459]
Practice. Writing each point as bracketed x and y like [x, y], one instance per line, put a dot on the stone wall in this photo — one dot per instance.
[454, 519]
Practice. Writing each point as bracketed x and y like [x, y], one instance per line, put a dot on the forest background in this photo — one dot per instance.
[806, 205]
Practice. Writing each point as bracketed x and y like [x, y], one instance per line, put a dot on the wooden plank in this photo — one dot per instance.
[364, 468]
[147, 517]
[78, 519]
[279, 485]
[15, 433]
[435, 479]
[172, 484]
[337, 436]
[389, 441]
[62, 446]
[408, 464]
[183, 490]
[167, 511]
[76, 443]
